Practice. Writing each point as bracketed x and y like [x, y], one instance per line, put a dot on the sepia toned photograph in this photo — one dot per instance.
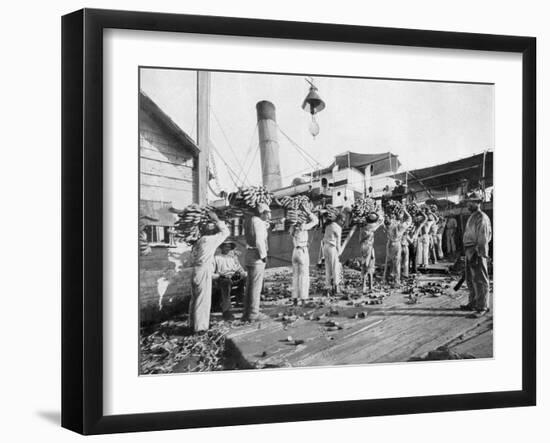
[303, 220]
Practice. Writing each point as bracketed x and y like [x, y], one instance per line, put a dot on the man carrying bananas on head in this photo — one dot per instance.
[202, 255]
[256, 259]
[300, 256]
[332, 248]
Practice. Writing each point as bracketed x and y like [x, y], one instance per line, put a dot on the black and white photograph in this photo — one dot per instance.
[298, 220]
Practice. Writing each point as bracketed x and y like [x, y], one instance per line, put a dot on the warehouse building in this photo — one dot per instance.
[168, 179]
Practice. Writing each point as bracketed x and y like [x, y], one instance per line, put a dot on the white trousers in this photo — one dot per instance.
[300, 273]
[332, 266]
[201, 298]
[423, 250]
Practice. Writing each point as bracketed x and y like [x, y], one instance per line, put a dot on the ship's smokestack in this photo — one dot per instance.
[269, 146]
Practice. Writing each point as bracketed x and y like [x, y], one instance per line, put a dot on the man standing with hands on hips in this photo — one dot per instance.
[256, 259]
[477, 235]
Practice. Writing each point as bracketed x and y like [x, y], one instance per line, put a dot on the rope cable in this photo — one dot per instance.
[297, 146]
[227, 139]
[230, 171]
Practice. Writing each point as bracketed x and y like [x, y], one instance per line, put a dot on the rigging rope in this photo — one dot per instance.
[230, 171]
[227, 140]
[215, 172]
[298, 147]
[252, 161]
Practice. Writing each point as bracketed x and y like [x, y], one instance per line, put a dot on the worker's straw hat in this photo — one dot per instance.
[229, 242]
[474, 196]
[372, 217]
[263, 207]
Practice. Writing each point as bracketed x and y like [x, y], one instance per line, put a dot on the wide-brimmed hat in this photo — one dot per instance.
[229, 242]
[474, 196]
[372, 217]
[263, 207]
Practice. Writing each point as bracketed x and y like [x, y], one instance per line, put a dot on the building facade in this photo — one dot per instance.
[168, 179]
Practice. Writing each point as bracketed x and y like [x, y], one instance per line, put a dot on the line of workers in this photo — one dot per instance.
[411, 245]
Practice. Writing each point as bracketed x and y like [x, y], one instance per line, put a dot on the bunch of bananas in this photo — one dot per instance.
[393, 207]
[295, 203]
[414, 209]
[331, 213]
[361, 210]
[250, 197]
[230, 212]
[294, 217]
[191, 223]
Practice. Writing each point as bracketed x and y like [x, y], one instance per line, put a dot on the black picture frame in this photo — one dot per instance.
[82, 218]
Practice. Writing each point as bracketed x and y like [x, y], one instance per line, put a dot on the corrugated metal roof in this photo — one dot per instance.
[382, 162]
[450, 175]
[151, 108]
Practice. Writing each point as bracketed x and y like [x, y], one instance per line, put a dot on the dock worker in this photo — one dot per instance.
[450, 232]
[396, 226]
[346, 210]
[477, 235]
[433, 235]
[228, 273]
[399, 191]
[423, 245]
[255, 261]
[368, 257]
[332, 248]
[412, 236]
[406, 241]
[439, 237]
[300, 257]
[202, 256]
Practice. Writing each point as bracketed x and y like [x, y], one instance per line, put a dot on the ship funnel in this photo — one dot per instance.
[269, 146]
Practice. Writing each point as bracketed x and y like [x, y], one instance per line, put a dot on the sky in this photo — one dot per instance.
[424, 123]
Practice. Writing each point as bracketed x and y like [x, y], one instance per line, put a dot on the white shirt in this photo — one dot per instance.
[203, 251]
[227, 264]
[300, 236]
[256, 235]
[333, 235]
[478, 233]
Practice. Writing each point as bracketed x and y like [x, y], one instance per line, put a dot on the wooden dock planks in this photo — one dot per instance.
[392, 332]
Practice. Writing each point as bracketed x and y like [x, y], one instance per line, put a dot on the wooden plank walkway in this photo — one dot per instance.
[394, 331]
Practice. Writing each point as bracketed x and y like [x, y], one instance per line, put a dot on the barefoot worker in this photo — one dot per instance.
[396, 227]
[477, 235]
[433, 235]
[300, 257]
[256, 259]
[423, 244]
[228, 273]
[368, 258]
[202, 256]
[450, 232]
[332, 245]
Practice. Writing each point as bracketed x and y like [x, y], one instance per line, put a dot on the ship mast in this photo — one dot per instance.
[203, 134]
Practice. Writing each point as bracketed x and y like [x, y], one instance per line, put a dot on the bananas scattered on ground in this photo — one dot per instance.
[250, 197]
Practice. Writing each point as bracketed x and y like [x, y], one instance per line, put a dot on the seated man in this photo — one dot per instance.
[228, 272]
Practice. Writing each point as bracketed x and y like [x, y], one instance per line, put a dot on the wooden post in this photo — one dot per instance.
[203, 134]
